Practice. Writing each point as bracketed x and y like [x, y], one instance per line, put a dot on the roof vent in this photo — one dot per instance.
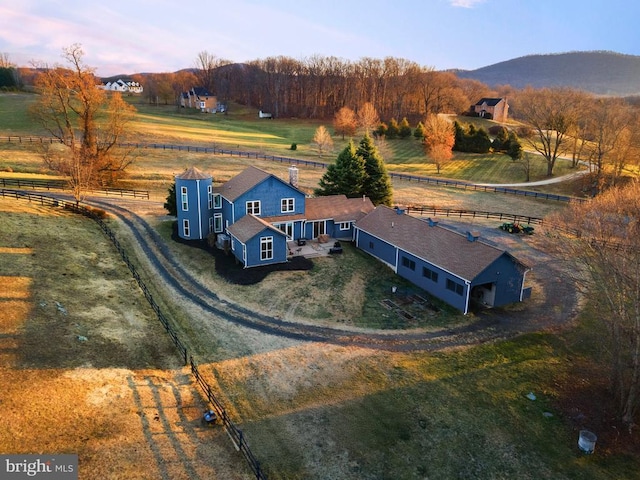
[473, 235]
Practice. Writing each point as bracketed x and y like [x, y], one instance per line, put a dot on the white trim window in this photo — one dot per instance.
[287, 205]
[266, 248]
[344, 225]
[217, 222]
[217, 200]
[210, 196]
[184, 198]
[210, 224]
[185, 227]
[253, 207]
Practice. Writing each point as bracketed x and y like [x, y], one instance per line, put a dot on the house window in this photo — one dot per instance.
[210, 196]
[217, 201]
[253, 207]
[454, 286]
[217, 222]
[344, 225]
[210, 224]
[370, 245]
[408, 263]
[266, 248]
[185, 227]
[184, 198]
[430, 274]
[288, 205]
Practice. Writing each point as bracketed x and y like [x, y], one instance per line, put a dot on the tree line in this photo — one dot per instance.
[318, 86]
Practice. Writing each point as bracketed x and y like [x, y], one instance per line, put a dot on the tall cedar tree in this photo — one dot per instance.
[377, 184]
[170, 205]
[346, 176]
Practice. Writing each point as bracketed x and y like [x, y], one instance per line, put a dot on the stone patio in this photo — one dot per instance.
[311, 248]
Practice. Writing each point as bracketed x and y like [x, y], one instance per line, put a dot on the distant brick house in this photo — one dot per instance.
[201, 99]
[492, 108]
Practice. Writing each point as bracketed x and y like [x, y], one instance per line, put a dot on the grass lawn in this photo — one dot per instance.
[309, 410]
[242, 130]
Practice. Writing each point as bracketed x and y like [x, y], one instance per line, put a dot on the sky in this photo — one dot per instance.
[136, 36]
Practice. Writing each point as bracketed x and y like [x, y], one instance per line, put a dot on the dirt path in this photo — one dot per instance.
[555, 300]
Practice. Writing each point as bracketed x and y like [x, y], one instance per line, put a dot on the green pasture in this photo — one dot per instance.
[241, 129]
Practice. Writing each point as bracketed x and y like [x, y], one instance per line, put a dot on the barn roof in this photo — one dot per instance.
[435, 244]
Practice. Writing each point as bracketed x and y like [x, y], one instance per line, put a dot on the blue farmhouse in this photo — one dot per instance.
[255, 214]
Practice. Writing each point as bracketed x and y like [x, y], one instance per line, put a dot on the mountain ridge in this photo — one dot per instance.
[599, 71]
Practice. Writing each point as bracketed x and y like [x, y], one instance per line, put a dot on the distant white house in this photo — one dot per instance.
[122, 86]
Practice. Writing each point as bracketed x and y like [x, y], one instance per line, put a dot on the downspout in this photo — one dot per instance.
[199, 211]
[466, 303]
[524, 277]
[395, 265]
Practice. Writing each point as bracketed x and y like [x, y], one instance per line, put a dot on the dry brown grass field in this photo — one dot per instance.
[85, 366]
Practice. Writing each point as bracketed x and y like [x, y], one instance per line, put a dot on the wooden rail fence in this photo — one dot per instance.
[311, 163]
[233, 431]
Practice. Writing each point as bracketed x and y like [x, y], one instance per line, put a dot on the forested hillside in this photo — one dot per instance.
[605, 73]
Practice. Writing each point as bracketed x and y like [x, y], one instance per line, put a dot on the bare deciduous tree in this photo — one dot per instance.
[606, 247]
[368, 117]
[85, 119]
[345, 122]
[5, 61]
[322, 140]
[439, 137]
[207, 65]
[552, 114]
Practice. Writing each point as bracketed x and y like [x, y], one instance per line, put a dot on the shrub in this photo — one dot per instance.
[294, 146]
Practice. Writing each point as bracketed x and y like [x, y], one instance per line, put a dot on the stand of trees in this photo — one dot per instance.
[318, 87]
[357, 172]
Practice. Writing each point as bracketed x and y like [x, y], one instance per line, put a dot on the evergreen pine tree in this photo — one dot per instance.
[170, 205]
[500, 143]
[393, 130]
[381, 130]
[461, 141]
[404, 128]
[419, 131]
[346, 176]
[377, 183]
[480, 141]
[515, 150]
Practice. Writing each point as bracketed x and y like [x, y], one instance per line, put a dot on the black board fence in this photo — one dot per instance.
[59, 184]
[235, 434]
[315, 164]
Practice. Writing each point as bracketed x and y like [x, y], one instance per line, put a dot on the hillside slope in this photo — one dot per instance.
[599, 72]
